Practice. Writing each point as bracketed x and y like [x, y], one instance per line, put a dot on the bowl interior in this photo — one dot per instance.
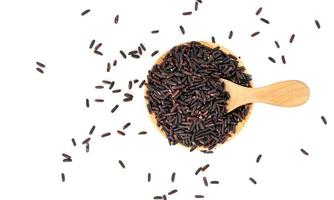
[239, 125]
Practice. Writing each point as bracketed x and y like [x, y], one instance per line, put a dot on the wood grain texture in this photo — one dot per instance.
[286, 93]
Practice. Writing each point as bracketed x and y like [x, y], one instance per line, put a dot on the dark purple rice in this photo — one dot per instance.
[205, 181]
[73, 142]
[66, 155]
[87, 103]
[182, 29]
[91, 131]
[258, 158]
[213, 40]
[206, 151]
[283, 59]
[97, 46]
[126, 125]
[277, 44]
[154, 53]
[255, 34]
[292, 37]
[230, 35]
[193, 148]
[252, 180]
[198, 171]
[155, 31]
[62, 177]
[99, 87]
[135, 81]
[40, 64]
[258, 11]
[133, 52]
[142, 46]
[135, 56]
[272, 59]
[172, 178]
[85, 12]
[324, 120]
[111, 85]
[122, 164]
[317, 24]
[265, 20]
[157, 197]
[214, 182]
[116, 91]
[304, 152]
[140, 51]
[114, 108]
[98, 53]
[123, 54]
[198, 196]
[188, 100]
[128, 95]
[99, 100]
[105, 134]
[39, 70]
[199, 1]
[127, 99]
[121, 132]
[86, 141]
[196, 6]
[164, 197]
[87, 147]
[142, 133]
[67, 160]
[91, 44]
[149, 177]
[114, 63]
[205, 167]
[106, 82]
[142, 83]
[187, 13]
[108, 67]
[172, 192]
[116, 19]
[130, 85]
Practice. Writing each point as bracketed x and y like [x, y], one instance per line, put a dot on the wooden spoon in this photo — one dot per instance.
[286, 93]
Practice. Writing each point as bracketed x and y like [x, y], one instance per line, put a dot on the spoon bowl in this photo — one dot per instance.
[286, 94]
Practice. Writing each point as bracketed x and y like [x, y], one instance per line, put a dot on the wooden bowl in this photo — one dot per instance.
[239, 125]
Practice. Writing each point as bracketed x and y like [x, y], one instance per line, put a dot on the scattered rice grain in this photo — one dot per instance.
[324, 120]
[252, 180]
[265, 20]
[40, 70]
[105, 134]
[85, 12]
[255, 33]
[114, 108]
[182, 30]
[187, 13]
[91, 131]
[154, 53]
[317, 24]
[272, 59]
[258, 158]
[258, 11]
[304, 152]
[292, 37]
[122, 164]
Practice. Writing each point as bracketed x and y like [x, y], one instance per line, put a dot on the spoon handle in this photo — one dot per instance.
[286, 93]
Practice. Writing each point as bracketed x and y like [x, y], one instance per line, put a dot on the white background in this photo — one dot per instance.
[40, 113]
